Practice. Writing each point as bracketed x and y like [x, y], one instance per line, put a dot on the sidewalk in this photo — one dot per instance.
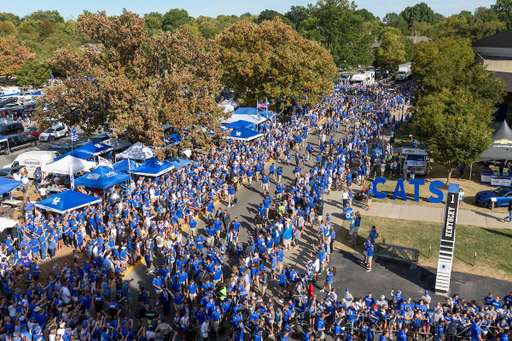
[435, 214]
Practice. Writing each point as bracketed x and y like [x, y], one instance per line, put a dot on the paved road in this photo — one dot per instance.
[351, 274]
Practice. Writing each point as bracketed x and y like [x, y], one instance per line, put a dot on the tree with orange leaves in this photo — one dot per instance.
[12, 56]
[133, 82]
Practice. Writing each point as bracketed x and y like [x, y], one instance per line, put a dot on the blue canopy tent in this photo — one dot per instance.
[244, 134]
[102, 177]
[67, 201]
[125, 165]
[88, 151]
[241, 124]
[152, 167]
[173, 139]
[177, 163]
[7, 185]
[37, 93]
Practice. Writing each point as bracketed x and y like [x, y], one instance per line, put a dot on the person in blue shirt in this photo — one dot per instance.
[476, 331]
[369, 256]
[231, 195]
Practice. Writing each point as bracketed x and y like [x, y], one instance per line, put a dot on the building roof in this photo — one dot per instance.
[418, 39]
[415, 40]
[502, 39]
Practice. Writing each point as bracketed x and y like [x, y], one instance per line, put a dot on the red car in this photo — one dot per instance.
[31, 131]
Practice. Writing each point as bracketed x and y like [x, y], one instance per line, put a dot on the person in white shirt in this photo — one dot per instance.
[66, 295]
[205, 328]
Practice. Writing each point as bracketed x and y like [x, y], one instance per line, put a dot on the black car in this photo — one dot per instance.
[14, 142]
[11, 129]
[9, 172]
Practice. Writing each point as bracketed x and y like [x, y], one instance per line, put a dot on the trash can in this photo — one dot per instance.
[347, 213]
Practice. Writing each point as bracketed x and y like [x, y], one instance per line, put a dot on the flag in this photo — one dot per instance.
[267, 103]
[74, 135]
[71, 176]
[51, 75]
[261, 105]
[104, 162]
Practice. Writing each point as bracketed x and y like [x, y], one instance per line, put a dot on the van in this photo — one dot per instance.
[34, 159]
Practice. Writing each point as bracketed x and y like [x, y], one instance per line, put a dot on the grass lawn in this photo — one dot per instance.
[494, 257]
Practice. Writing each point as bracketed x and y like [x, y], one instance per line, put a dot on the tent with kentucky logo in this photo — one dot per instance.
[244, 134]
[67, 201]
[102, 177]
[137, 151]
[152, 167]
[92, 149]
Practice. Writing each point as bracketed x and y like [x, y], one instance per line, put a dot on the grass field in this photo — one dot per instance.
[494, 257]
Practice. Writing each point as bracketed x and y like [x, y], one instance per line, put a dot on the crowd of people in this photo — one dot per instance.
[217, 282]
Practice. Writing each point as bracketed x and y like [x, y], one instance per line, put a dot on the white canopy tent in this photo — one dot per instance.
[138, 151]
[68, 163]
[229, 105]
[256, 119]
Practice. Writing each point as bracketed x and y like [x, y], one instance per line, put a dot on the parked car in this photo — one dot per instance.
[15, 142]
[11, 129]
[63, 149]
[502, 195]
[31, 131]
[9, 172]
[345, 77]
[57, 131]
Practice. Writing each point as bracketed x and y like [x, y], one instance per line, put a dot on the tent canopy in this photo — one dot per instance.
[152, 167]
[7, 185]
[67, 201]
[102, 177]
[241, 124]
[501, 148]
[93, 149]
[125, 165]
[177, 163]
[244, 134]
[117, 144]
[137, 151]
[63, 165]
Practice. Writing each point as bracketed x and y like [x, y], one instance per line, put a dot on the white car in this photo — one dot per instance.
[57, 131]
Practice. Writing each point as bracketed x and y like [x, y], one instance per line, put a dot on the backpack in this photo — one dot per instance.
[140, 312]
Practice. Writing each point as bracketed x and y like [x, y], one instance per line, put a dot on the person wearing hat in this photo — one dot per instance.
[427, 299]
[205, 328]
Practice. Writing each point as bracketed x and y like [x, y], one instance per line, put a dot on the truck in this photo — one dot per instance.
[33, 159]
[367, 77]
[416, 157]
[404, 72]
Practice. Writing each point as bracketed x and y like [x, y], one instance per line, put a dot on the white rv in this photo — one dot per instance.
[367, 77]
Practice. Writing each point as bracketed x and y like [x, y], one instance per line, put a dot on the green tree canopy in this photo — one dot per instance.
[52, 16]
[138, 83]
[269, 14]
[273, 61]
[450, 63]
[419, 12]
[391, 52]
[33, 73]
[173, 19]
[454, 127]
[341, 31]
[7, 28]
[297, 14]
[10, 17]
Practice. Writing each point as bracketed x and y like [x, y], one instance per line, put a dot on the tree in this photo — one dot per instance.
[454, 127]
[391, 52]
[173, 19]
[296, 15]
[273, 61]
[138, 83]
[33, 73]
[269, 14]
[449, 63]
[52, 16]
[12, 56]
[69, 26]
[14, 19]
[7, 28]
[345, 34]
[390, 19]
[46, 29]
[419, 12]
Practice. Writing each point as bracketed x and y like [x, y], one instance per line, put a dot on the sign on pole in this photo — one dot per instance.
[74, 135]
[447, 246]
